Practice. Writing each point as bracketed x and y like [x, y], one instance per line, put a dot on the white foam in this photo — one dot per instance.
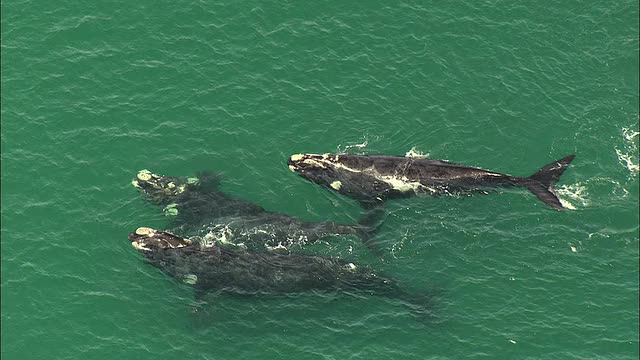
[576, 192]
[627, 160]
[566, 204]
[629, 156]
[362, 145]
[220, 234]
[413, 153]
[629, 134]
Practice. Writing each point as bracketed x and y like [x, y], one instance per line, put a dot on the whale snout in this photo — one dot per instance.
[294, 162]
[304, 163]
[148, 239]
[159, 188]
[301, 163]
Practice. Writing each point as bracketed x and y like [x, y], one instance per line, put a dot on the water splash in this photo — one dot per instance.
[414, 153]
[628, 157]
[397, 246]
[577, 193]
[346, 149]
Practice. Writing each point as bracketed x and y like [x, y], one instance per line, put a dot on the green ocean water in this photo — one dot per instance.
[93, 92]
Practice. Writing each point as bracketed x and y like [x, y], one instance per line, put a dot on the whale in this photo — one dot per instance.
[373, 179]
[199, 209]
[210, 268]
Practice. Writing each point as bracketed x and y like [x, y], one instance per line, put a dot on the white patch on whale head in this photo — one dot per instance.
[336, 185]
[296, 157]
[190, 279]
[144, 175]
[323, 161]
[319, 162]
[139, 247]
[171, 210]
[145, 231]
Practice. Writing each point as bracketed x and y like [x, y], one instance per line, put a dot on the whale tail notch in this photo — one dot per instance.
[541, 183]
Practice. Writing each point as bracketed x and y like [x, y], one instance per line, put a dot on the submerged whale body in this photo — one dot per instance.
[375, 178]
[238, 271]
[199, 209]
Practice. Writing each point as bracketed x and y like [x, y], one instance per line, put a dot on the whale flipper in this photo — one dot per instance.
[209, 181]
[541, 183]
[368, 225]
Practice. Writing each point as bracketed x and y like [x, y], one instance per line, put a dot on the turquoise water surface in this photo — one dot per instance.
[93, 92]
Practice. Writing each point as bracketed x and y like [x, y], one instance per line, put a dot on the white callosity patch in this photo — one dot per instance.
[297, 157]
[190, 279]
[145, 231]
[336, 185]
[322, 161]
[338, 165]
[144, 175]
[316, 162]
[139, 246]
[171, 210]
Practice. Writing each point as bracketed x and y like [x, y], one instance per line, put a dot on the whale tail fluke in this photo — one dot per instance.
[541, 183]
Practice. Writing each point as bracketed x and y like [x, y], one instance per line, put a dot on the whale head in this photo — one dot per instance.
[146, 240]
[350, 175]
[325, 169]
[159, 189]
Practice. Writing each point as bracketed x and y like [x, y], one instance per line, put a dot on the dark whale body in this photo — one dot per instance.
[376, 178]
[200, 210]
[239, 271]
